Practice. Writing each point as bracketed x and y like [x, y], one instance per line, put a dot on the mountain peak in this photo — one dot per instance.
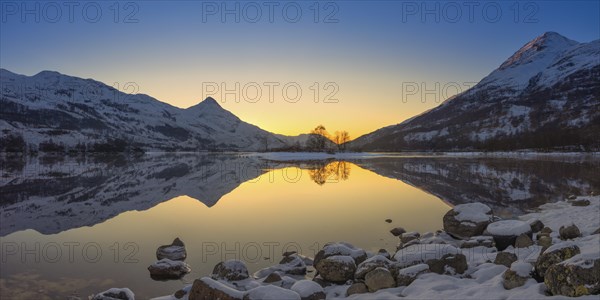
[207, 104]
[549, 42]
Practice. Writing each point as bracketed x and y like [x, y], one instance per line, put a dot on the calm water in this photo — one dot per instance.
[76, 226]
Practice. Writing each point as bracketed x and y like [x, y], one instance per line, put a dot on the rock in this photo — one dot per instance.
[478, 241]
[597, 231]
[231, 270]
[545, 242]
[357, 288]
[582, 202]
[555, 254]
[523, 241]
[341, 249]
[397, 231]
[336, 268]
[293, 264]
[168, 269]
[388, 220]
[288, 253]
[409, 236]
[371, 264]
[505, 232]
[308, 290]
[574, 280]
[384, 253]
[114, 294]
[569, 232]
[273, 277]
[546, 230]
[536, 225]
[407, 275]
[207, 288]
[448, 264]
[175, 251]
[418, 254]
[180, 294]
[505, 259]
[379, 278]
[467, 220]
[323, 283]
[517, 275]
[271, 292]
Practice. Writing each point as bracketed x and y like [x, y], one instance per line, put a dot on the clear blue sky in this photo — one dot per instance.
[172, 47]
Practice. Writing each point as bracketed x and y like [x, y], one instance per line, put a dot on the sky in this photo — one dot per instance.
[286, 66]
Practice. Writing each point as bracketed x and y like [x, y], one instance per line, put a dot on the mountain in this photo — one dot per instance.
[54, 112]
[546, 96]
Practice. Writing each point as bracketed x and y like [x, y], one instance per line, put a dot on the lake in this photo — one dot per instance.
[80, 225]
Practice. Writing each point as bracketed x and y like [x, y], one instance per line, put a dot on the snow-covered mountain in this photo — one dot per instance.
[52, 111]
[545, 96]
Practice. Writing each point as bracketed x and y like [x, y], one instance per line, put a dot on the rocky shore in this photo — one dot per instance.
[549, 253]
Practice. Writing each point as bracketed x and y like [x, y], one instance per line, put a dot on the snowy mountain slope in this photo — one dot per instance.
[545, 96]
[54, 111]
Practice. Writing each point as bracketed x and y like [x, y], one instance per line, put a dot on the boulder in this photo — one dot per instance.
[174, 251]
[421, 253]
[341, 249]
[505, 232]
[409, 236]
[448, 264]
[545, 242]
[574, 280]
[180, 294]
[384, 253]
[569, 232]
[397, 231]
[308, 290]
[168, 269]
[536, 225]
[582, 202]
[505, 259]
[207, 288]
[273, 277]
[478, 241]
[336, 268]
[357, 288]
[115, 294]
[271, 292]
[517, 275]
[523, 241]
[555, 254]
[293, 265]
[371, 264]
[379, 278]
[407, 275]
[231, 270]
[467, 220]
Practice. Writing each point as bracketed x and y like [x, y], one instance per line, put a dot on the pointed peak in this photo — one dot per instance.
[207, 103]
[210, 100]
[550, 42]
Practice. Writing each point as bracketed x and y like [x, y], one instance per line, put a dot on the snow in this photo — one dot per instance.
[474, 212]
[222, 287]
[521, 268]
[342, 249]
[342, 259]
[508, 228]
[420, 253]
[590, 252]
[414, 270]
[127, 291]
[166, 263]
[271, 292]
[555, 215]
[305, 288]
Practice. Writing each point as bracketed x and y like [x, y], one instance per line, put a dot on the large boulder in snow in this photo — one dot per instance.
[467, 220]
[336, 268]
[578, 275]
[308, 290]
[505, 232]
[379, 278]
[448, 264]
[168, 269]
[371, 264]
[271, 292]
[505, 259]
[569, 232]
[407, 275]
[517, 275]
[231, 270]
[341, 249]
[207, 288]
[421, 253]
[175, 251]
[555, 254]
[115, 294]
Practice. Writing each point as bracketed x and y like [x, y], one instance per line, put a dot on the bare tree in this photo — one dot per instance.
[318, 139]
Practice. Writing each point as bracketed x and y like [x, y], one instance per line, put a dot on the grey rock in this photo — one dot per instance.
[407, 275]
[175, 251]
[523, 241]
[554, 255]
[231, 270]
[573, 280]
[457, 262]
[569, 232]
[337, 269]
[536, 226]
[462, 228]
[397, 231]
[505, 259]
[168, 269]
[379, 278]
[357, 288]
